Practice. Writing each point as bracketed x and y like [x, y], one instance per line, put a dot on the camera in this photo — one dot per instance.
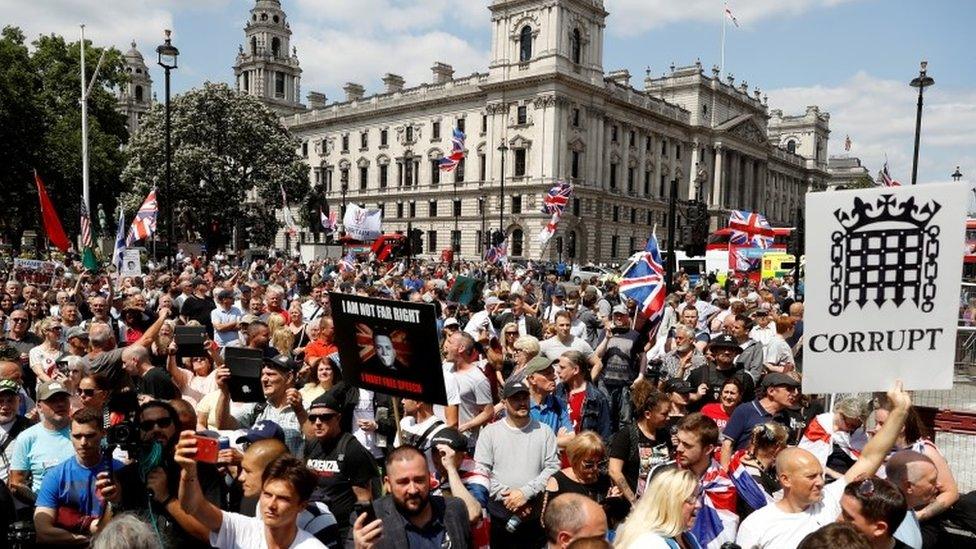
[125, 434]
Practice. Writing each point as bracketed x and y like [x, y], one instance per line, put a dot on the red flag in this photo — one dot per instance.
[52, 225]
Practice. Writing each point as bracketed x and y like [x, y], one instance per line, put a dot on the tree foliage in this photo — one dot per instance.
[40, 128]
[230, 158]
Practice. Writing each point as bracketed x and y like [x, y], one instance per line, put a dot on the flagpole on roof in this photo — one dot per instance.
[722, 61]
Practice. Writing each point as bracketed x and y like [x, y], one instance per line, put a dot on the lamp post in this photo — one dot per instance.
[456, 236]
[503, 149]
[956, 175]
[484, 225]
[167, 55]
[921, 82]
[344, 188]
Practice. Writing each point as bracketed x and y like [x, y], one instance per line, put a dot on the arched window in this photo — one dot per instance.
[577, 46]
[254, 45]
[525, 44]
[517, 242]
[139, 93]
[275, 46]
[791, 146]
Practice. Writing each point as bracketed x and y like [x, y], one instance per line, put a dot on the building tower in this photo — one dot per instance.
[135, 96]
[267, 66]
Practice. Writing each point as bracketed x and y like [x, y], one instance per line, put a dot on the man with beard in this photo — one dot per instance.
[751, 356]
[286, 486]
[151, 483]
[621, 364]
[344, 469]
[519, 455]
[42, 446]
[709, 379]
[409, 516]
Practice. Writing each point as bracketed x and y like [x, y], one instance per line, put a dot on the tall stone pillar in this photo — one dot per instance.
[717, 178]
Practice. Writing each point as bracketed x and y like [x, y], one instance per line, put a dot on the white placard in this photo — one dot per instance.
[883, 272]
[362, 224]
[131, 263]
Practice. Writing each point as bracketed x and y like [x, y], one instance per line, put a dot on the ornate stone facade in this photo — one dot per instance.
[266, 66]
[135, 97]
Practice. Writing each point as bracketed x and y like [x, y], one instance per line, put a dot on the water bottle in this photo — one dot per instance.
[512, 524]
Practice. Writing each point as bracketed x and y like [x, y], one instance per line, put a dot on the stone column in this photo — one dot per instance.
[641, 165]
[749, 174]
[693, 172]
[717, 178]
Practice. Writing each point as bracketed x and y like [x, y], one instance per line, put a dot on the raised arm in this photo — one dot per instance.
[877, 448]
[191, 498]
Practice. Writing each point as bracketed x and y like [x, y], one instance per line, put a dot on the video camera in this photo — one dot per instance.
[125, 434]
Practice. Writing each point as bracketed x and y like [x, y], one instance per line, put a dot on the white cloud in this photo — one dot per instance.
[630, 17]
[879, 115]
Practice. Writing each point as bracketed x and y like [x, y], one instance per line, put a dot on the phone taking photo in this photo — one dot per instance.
[207, 449]
[365, 507]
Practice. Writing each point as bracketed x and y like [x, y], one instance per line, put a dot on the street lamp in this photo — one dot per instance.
[956, 175]
[923, 81]
[344, 188]
[455, 236]
[503, 149]
[167, 56]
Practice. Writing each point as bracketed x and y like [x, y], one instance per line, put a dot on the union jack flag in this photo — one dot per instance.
[496, 254]
[741, 261]
[886, 180]
[750, 228]
[348, 262]
[144, 224]
[85, 225]
[556, 199]
[119, 242]
[745, 484]
[448, 163]
[643, 281]
[329, 222]
[716, 521]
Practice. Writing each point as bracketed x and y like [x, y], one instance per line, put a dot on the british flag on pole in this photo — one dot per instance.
[144, 224]
[644, 282]
[448, 163]
[557, 198]
[750, 229]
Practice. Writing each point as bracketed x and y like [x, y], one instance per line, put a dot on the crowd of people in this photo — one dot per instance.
[569, 422]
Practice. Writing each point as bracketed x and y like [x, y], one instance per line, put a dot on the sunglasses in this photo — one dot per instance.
[162, 422]
[313, 418]
[18, 319]
[866, 489]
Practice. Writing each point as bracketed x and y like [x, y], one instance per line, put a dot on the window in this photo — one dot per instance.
[305, 149]
[408, 172]
[482, 167]
[791, 146]
[363, 177]
[647, 144]
[650, 218]
[575, 165]
[139, 93]
[664, 186]
[275, 46]
[525, 44]
[456, 241]
[254, 45]
[576, 118]
[613, 176]
[677, 151]
[364, 140]
[328, 180]
[413, 209]
[633, 138]
[630, 179]
[633, 217]
[516, 204]
[384, 135]
[632, 245]
[576, 47]
[399, 209]
[460, 124]
[435, 131]
[280, 85]
[435, 172]
[647, 183]
[457, 207]
[517, 237]
[409, 133]
[613, 134]
[521, 115]
[382, 208]
[384, 176]
[345, 143]
[576, 207]
[247, 82]
[616, 214]
[484, 123]
[614, 245]
[459, 171]
[519, 162]
[432, 208]
[431, 241]
[664, 148]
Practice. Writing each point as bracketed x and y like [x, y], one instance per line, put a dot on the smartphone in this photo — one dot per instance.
[365, 507]
[207, 449]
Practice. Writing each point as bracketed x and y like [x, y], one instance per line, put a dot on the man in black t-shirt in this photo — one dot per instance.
[344, 468]
[713, 375]
[149, 380]
[198, 306]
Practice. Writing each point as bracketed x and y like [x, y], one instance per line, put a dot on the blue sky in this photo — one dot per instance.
[854, 58]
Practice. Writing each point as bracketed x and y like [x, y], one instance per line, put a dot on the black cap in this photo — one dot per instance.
[280, 362]
[725, 341]
[225, 294]
[513, 387]
[452, 438]
[675, 385]
[776, 379]
[326, 400]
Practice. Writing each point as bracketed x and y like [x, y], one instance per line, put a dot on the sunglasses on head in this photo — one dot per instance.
[321, 417]
[163, 422]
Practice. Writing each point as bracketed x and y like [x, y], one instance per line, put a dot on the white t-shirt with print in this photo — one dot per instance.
[241, 532]
[773, 528]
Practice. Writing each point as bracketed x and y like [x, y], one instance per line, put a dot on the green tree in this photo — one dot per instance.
[230, 158]
[40, 128]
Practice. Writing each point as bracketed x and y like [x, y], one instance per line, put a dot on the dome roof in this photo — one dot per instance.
[133, 55]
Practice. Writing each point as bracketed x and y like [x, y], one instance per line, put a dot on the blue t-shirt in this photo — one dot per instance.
[71, 484]
[38, 449]
[746, 416]
[552, 412]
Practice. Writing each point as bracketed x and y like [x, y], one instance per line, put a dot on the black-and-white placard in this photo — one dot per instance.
[883, 274]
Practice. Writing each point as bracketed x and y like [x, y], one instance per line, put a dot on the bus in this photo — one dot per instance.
[717, 248]
[969, 259]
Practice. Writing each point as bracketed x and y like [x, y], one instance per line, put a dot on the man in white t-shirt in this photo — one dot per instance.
[563, 341]
[286, 488]
[807, 504]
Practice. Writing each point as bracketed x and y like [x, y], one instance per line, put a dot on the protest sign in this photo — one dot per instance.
[389, 346]
[465, 290]
[34, 272]
[131, 263]
[362, 224]
[883, 270]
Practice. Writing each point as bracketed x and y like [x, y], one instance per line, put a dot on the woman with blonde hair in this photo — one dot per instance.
[282, 339]
[663, 517]
[526, 348]
[586, 452]
[43, 358]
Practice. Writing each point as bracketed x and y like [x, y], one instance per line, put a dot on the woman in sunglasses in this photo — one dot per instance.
[586, 474]
[93, 391]
[664, 516]
[43, 358]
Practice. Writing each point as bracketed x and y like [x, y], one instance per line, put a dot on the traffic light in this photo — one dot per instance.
[416, 241]
[795, 245]
[695, 231]
[497, 237]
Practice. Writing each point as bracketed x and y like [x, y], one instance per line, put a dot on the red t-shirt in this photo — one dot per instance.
[715, 411]
[576, 409]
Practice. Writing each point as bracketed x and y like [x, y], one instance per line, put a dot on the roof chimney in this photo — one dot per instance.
[354, 92]
[316, 100]
[443, 72]
[393, 82]
[621, 77]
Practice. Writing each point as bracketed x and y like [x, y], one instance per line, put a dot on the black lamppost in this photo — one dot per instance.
[483, 206]
[166, 58]
[956, 175]
[503, 149]
[923, 81]
[456, 236]
[344, 188]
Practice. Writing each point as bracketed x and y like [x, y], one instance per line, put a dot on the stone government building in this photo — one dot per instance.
[545, 110]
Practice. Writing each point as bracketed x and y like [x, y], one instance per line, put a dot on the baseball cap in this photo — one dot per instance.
[248, 319]
[262, 430]
[492, 300]
[675, 385]
[76, 331]
[9, 386]
[725, 341]
[452, 438]
[776, 379]
[326, 400]
[513, 387]
[280, 362]
[621, 310]
[451, 322]
[559, 292]
[536, 365]
[51, 388]
[225, 294]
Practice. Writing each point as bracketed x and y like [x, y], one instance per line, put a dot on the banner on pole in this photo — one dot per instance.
[131, 263]
[362, 224]
[389, 346]
[883, 272]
